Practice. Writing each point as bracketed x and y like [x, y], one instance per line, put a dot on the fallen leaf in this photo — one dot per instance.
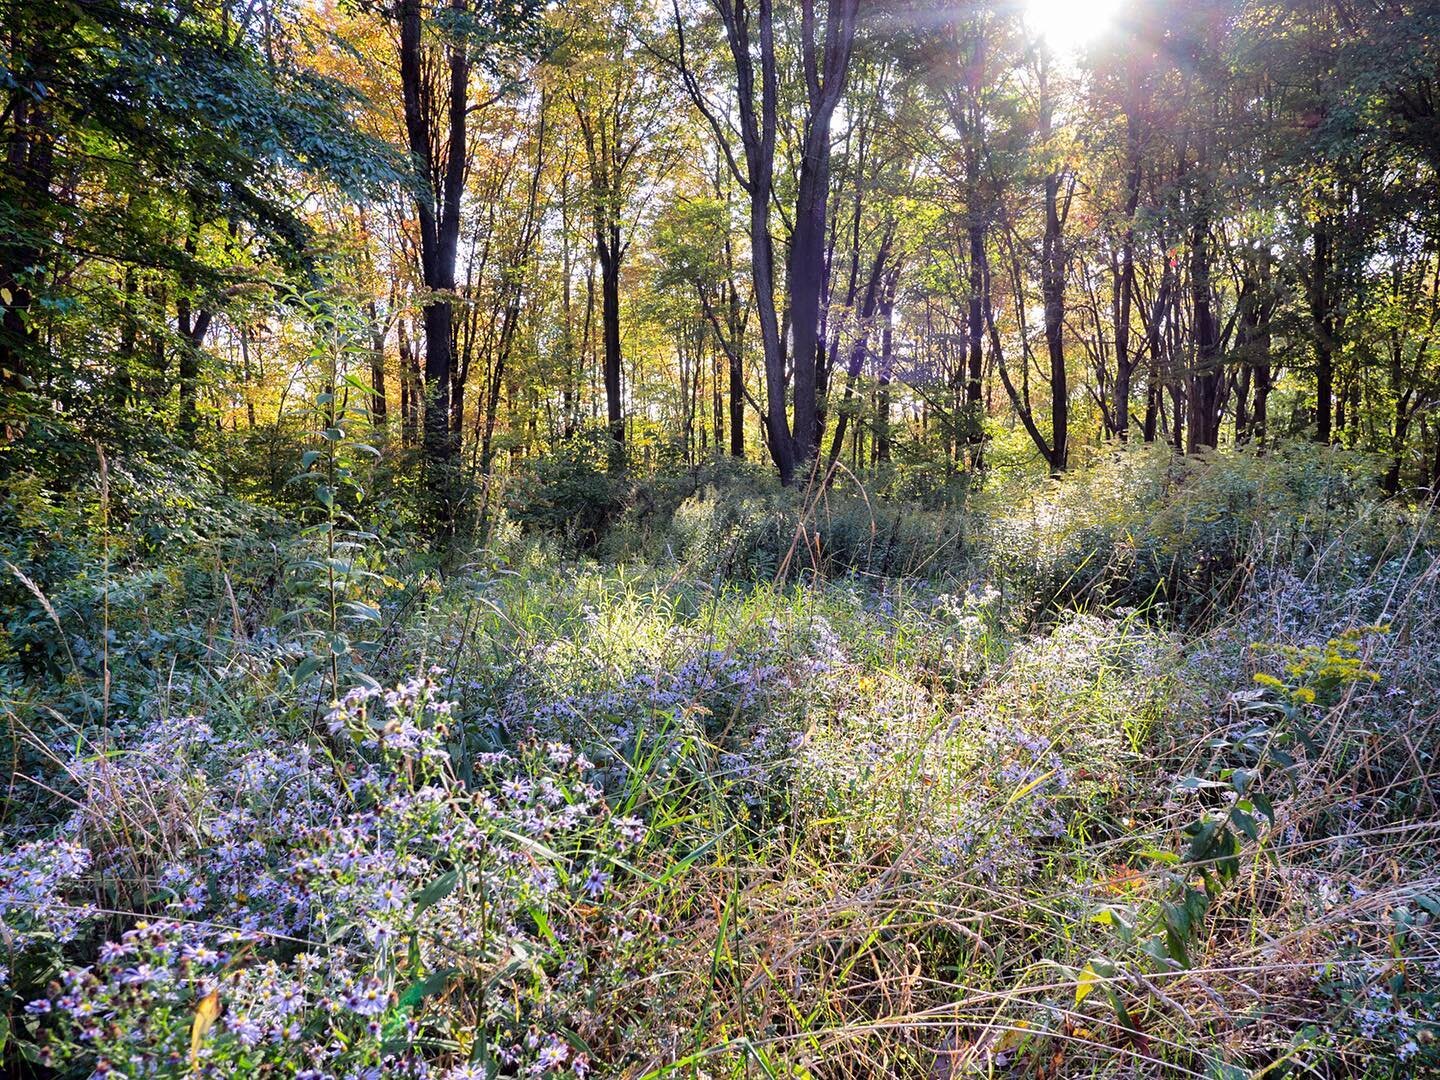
[206, 1013]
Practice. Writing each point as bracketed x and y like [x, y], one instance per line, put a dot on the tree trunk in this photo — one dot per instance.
[1206, 392]
[887, 367]
[192, 336]
[607, 249]
[1125, 287]
[757, 123]
[1320, 317]
[378, 404]
[735, 361]
[438, 209]
[826, 71]
[1052, 289]
[975, 317]
[1052, 286]
[859, 349]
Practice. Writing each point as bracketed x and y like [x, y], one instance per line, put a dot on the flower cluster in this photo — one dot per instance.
[35, 879]
[313, 903]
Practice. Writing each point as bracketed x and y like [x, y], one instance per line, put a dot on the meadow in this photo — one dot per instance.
[1128, 775]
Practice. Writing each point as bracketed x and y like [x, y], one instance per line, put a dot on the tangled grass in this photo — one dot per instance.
[1142, 782]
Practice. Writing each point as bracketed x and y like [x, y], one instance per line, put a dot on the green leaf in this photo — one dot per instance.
[362, 611]
[1177, 932]
[1245, 823]
[1202, 834]
[1164, 858]
[1262, 803]
[542, 923]
[429, 986]
[358, 384]
[436, 891]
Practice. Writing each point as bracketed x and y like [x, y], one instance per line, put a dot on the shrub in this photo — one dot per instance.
[1179, 535]
[774, 532]
[572, 492]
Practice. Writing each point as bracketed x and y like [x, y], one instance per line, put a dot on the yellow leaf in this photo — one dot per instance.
[206, 1013]
[1087, 982]
[1011, 1038]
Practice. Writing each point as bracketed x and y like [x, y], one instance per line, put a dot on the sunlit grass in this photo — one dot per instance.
[842, 825]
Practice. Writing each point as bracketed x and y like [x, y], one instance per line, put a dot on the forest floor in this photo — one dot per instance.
[1129, 776]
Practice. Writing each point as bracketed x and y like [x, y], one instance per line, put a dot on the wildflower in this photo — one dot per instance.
[516, 789]
[595, 884]
[558, 753]
[631, 829]
[368, 1000]
[288, 1000]
[114, 951]
[389, 897]
[552, 1056]
[246, 1031]
[200, 954]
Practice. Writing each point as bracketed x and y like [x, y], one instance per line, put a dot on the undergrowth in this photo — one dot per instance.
[1127, 775]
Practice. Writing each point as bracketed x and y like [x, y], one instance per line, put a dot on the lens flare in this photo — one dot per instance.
[1069, 25]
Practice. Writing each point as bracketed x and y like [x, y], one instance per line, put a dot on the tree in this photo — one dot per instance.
[624, 124]
[132, 128]
[825, 65]
[441, 49]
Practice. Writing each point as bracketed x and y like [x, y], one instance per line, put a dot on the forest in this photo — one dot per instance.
[720, 539]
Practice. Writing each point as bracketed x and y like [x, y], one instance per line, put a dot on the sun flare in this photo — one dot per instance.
[1070, 25]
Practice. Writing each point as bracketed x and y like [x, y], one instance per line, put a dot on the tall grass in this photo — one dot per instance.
[1132, 775]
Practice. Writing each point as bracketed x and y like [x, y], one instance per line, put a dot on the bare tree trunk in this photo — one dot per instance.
[826, 71]
[975, 321]
[607, 250]
[379, 406]
[887, 367]
[1207, 377]
[248, 376]
[1053, 291]
[438, 209]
